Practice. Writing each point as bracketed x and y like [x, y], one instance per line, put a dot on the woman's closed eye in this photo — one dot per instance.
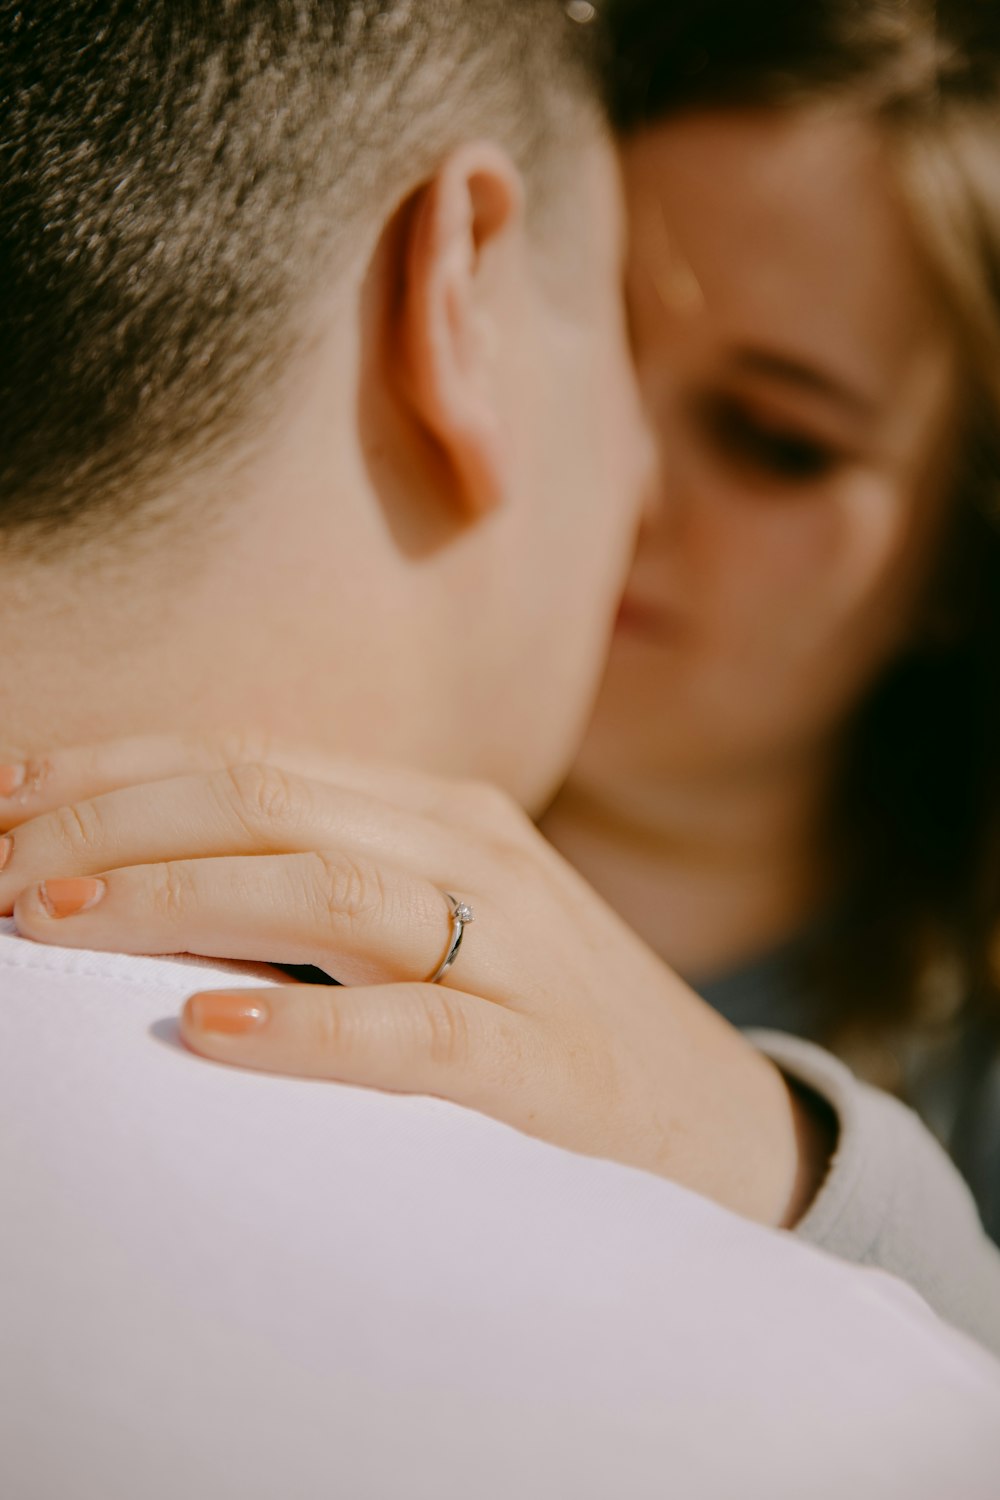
[773, 450]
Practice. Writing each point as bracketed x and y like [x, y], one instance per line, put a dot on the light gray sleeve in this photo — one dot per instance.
[892, 1197]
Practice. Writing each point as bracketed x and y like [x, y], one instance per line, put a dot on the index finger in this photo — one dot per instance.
[41, 784]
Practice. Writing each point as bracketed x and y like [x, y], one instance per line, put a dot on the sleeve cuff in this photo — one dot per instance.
[892, 1198]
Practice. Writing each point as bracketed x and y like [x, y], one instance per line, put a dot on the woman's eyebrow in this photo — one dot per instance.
[793, 371]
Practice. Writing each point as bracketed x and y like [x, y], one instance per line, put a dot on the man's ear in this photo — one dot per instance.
[453, 257]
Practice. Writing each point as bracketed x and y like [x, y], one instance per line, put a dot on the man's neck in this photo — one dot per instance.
[711, 873]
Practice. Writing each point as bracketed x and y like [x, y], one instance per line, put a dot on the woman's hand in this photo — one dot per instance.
[555, 1018]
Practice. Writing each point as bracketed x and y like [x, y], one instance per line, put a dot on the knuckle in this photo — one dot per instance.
[346, 888]
[445, 1027]
[79, 828]
[240, 748]
[172, 894]
[39, 774]
[325, 1025]
[262, 796]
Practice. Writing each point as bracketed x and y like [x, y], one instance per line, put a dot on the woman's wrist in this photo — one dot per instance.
[744, 1133]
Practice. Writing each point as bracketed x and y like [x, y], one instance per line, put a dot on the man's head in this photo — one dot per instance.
[315, 396]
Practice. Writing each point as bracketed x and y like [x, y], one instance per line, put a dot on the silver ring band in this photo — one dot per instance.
[461, 916]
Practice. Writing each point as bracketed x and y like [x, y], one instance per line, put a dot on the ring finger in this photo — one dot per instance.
[362, 922]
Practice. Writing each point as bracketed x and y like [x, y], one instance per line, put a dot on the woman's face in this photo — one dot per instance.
[802, 384]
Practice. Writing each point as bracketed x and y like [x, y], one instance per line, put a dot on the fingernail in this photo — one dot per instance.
[6, 850]
[221, 1014]
[12, 779]
[68, 898]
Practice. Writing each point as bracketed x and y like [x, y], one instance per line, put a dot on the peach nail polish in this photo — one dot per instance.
[68, 898]
[220, 1013]
[6, 850]
[12, 779]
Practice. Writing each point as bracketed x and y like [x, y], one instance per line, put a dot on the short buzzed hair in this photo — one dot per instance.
[175, 174]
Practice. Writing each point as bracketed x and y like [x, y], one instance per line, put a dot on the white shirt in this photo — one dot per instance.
[217, 1284]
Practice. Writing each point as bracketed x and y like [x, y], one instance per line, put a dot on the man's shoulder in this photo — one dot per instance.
[325, 1291]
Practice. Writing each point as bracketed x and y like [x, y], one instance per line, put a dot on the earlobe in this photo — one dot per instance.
[456, 238]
